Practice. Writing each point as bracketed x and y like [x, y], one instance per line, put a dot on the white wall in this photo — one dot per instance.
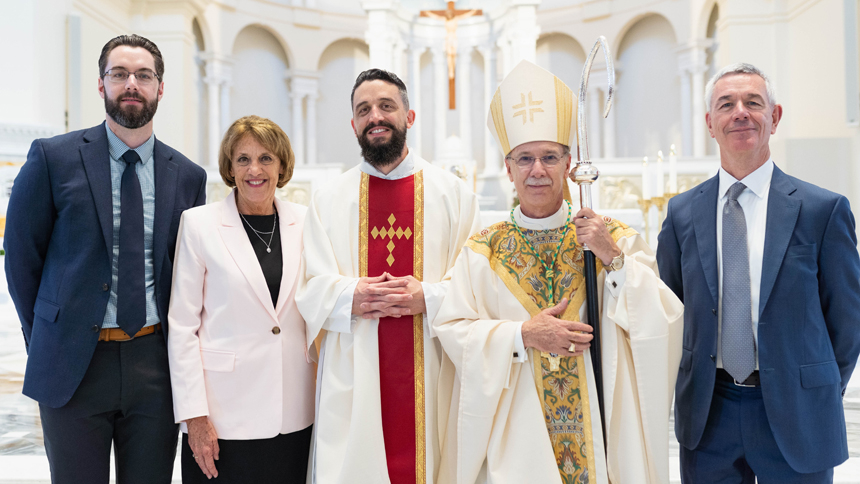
[260, 78]
[647, 107]
[340, 64]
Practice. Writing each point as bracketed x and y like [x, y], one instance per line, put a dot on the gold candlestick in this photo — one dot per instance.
[645, 205]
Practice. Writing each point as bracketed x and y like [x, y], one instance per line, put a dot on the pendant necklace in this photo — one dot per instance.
[554, 359]
[270, 234]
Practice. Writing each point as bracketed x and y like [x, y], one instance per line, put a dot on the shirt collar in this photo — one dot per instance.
[118, 148]
[404, 169]
[554, 221]
[757, 182]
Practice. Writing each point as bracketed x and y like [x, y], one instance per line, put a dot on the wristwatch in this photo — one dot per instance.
[616, 264]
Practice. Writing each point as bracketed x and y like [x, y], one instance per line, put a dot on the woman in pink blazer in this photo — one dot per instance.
[243, 385]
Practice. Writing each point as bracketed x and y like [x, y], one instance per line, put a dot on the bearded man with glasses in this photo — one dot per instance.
[524, 406]
[90, 236]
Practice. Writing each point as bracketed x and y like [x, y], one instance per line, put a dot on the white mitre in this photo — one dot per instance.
[531, 104]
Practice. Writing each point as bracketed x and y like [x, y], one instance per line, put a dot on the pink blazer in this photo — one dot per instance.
[233, 356]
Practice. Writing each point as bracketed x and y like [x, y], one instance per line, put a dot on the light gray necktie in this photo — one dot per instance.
[738, 346]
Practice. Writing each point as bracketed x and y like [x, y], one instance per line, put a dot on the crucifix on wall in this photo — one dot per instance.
[450, 16]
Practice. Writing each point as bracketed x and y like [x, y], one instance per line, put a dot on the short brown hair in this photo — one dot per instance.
[268, 134]
[132, 40]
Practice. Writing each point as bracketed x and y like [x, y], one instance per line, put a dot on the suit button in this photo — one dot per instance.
[96, 328]
[713, 358]
[105, 287]
[276, 330]
[714, 311]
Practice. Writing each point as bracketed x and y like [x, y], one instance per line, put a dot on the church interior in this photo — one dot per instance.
[295, 61]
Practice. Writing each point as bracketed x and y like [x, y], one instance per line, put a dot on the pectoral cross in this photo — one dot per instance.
[450, 16]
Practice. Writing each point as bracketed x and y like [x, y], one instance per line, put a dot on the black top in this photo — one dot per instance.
[272, 262]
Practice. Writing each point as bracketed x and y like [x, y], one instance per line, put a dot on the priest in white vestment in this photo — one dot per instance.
[380, 241]
[524, 407]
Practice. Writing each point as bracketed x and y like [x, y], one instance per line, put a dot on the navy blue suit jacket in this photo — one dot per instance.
[809, 307]
[59, 235]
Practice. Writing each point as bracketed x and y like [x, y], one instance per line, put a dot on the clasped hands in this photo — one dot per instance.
[546, 332]
[388, 296]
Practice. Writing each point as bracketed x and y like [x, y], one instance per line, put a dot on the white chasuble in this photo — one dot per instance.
[512, 417]
[371, 425]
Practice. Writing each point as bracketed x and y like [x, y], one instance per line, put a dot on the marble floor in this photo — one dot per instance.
[22, 453]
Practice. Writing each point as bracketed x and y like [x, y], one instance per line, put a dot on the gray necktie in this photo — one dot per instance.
[738, 346]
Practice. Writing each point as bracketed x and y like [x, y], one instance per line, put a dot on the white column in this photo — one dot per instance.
[698, 121]
[415, 96]
[218, 74]
[595, 121]
[382, 32]
[692, 66]
[464, 100]
[491, 153]
[311, 158]
[686, 114]
[440, 88]
[226, 117]
[523, 30]
[214, 141]
[298, 138]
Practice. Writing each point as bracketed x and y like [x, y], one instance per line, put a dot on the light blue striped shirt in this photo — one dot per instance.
[146, 174]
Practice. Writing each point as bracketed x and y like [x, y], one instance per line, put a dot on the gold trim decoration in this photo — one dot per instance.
[501, 243]
[363, 195]
[586, 417]
[564, 111]
[499, 121]
[418, 335]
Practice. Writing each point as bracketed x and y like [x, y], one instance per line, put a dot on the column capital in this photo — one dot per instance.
[692, 56]
[439, 54]
[303, 83]
[219, 68]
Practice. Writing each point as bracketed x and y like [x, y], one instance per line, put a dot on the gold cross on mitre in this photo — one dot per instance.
[390, 232]
[530, 109]
[450, 16]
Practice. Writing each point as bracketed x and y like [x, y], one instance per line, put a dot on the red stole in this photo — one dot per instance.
[392, 240]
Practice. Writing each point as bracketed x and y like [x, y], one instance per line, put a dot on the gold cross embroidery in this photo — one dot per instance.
[531, 111]
[390, 232]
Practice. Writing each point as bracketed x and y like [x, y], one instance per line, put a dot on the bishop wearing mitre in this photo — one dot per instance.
[379, 243]
[524, 406]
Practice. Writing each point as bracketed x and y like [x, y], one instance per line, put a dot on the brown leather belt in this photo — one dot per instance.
[117, 334]
[751, 381]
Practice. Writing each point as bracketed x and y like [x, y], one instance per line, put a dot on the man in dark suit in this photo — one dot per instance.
[90, 235]
[768, 270]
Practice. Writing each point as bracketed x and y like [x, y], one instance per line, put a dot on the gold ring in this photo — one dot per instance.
[572, 348]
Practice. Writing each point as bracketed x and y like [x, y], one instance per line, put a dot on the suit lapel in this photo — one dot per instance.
[782, 212]
[290, 232]
[236, 240]
[96, 160]
[165, 195]
[704, 212]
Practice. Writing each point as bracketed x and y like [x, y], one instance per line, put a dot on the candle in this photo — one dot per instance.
[673, 170]
[646, 189]
[660, 182]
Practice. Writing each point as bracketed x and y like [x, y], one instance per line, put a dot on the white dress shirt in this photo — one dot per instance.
[753, 200]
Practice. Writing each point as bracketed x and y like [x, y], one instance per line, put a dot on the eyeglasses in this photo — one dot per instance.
[528, 161]
[144, 77]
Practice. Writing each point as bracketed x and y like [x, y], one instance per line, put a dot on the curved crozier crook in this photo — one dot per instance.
[583, 87]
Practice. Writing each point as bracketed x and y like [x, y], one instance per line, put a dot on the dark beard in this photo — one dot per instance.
[383, 154]
[131, 118]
